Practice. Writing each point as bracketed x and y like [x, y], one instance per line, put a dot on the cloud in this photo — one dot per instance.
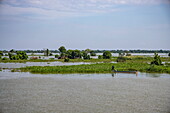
[62, 8]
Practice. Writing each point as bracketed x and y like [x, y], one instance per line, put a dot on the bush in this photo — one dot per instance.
[50, 54]
[66, 60]
[5, 58]
[56, 56]
[157, 60]
[100, 57]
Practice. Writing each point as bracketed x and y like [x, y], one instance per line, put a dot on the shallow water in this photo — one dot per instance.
[83, 93]
[7, 74]
[19, 65]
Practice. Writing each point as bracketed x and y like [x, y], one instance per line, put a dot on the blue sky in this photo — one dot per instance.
[82, 24]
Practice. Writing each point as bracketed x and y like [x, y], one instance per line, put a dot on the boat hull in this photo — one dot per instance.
[135, 72]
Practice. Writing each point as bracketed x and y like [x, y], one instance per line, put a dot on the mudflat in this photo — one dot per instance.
[84, 95]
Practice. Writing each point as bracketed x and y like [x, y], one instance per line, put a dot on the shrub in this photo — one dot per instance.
[5, 58]
[100, 57]
[121, 59]
[157, 60]
[56, 56]
[50, 54]
[66, 60]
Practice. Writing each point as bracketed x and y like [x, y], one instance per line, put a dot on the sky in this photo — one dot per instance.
[82, 24]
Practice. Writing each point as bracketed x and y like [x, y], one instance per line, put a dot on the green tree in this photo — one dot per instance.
[19, 55]
[46, 52]
[72, 54]
[87, 51]
[22, 55]
[12, 51]
[85, 55]
[92, 53]
[62, 49]
[157, 60]
[1, 53]
[107, 55]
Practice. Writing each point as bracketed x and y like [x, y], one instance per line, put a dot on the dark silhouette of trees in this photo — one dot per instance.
[62, 49]
[1, 53]
[18, 55]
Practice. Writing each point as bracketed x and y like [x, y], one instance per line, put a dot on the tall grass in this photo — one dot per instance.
[97, 68]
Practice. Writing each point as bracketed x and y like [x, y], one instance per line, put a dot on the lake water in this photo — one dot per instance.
[22, 92]
[19, 65]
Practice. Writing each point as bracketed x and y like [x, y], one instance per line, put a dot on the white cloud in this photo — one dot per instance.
[60, 8]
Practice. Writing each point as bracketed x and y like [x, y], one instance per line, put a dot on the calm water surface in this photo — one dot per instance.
[19, 65]
[22, 92]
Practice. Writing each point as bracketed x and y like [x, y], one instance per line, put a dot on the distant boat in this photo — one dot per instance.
[134, 72]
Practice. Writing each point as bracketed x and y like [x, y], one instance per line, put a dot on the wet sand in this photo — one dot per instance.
[76, 95]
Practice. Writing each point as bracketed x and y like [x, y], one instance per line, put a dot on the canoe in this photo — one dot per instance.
[135, 72]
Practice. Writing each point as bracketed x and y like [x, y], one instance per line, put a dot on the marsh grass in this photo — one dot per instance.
[96, 68]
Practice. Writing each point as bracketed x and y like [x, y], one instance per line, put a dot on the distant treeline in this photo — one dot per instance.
[98, 51]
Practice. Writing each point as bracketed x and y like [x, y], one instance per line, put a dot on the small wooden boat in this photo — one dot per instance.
[134, 72]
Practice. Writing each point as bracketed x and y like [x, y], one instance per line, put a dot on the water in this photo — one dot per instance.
[139, 54]
[7, 74]
[19, 65]
[23, 92]
[84, 93]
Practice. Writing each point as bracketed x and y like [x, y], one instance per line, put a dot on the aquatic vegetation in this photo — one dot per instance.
[97, 68]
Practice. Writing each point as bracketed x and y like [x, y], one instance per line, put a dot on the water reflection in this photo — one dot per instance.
[126, 74]
[7, 74]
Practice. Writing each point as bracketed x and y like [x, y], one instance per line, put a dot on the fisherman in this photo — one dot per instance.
[113, 68]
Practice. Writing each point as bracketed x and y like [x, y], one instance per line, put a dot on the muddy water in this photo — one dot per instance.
[83, 93]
